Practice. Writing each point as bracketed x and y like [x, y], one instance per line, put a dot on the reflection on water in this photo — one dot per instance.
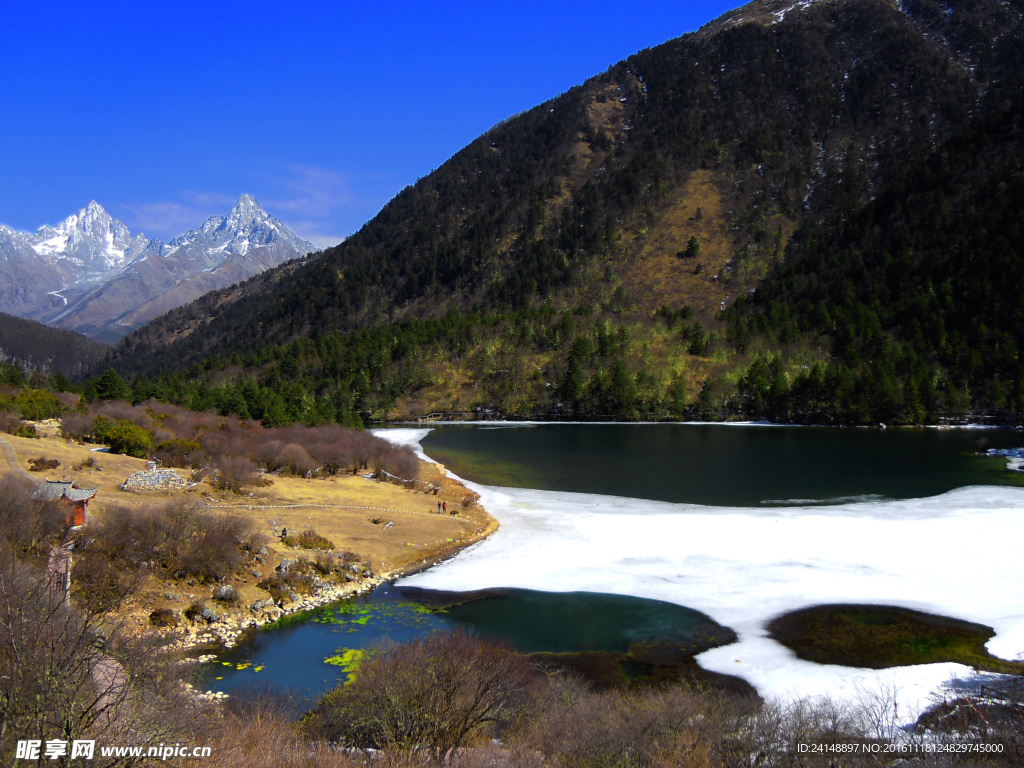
[719, 465]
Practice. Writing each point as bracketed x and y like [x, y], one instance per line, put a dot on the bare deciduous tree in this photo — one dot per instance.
[431, 695]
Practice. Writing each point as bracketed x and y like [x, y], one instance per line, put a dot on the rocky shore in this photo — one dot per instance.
[225, 629]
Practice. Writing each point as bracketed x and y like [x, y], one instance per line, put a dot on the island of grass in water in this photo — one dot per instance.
[883, 636]
[610, 640]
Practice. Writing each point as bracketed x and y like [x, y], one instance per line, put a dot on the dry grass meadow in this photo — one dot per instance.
[352, 511]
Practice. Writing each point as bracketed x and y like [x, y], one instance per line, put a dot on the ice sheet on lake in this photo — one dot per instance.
[957, 554]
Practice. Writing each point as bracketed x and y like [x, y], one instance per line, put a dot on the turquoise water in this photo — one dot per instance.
[295, 656]
[720, 465]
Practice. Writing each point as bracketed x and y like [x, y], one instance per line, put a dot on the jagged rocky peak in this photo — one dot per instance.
[246, 225]
[246, 213]
[91, 274]
[90, 237]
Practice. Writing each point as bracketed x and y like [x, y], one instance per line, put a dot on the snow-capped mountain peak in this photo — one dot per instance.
[246, 213]
[91, 274]
[246, 226]
[90, 239]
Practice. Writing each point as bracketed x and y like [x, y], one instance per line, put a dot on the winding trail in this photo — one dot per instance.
[12, 458]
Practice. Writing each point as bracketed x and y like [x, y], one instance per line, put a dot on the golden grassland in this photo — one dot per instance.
[350, 510]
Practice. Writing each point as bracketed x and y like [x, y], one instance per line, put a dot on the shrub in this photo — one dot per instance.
[69, 401]
[26, 430]
[308, 540]
[28, 525]
[194, 610]
[77, 426]
[163, 617]
[235, 474]
[10, 423]
[180, 539]
[268, 455]
[124, 437]
[37, 404]
[676, 725]
[297, 460]
[434, 693]
[118, 410]
[42, 464]
[176, 452]
[401, 462]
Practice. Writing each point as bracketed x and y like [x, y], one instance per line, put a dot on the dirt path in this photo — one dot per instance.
[10, 458]
[332, 506]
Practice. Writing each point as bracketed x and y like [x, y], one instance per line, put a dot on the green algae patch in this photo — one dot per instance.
[881, 636]
[348, 660]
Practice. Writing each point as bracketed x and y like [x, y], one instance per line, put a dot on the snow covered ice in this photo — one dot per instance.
[957, 554]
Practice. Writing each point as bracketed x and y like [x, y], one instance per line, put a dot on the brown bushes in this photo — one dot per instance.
[296, 460]
[235, 474]
[77, 426]
[308, 540]
[180, 540]
[42, 464]
[576, 727]
[29, 526]
[298, 578]
[65, 666]
[13, 425]
[432, 695]
[188, 439]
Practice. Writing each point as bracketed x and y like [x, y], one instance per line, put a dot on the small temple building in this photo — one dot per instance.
[69, 492]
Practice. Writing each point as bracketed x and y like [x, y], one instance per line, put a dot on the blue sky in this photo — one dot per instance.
[166, 113]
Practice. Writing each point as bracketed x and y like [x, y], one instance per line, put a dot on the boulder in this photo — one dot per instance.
[284, 566]
[208, 615]
[256, 574]
[225, 592]
[272, 612]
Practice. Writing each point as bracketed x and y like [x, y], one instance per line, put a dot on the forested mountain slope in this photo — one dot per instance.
[552, 265]
[34, 346]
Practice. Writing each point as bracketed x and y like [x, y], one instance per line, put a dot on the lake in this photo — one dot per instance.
[710, 526]
[720, 465]
[312, 653]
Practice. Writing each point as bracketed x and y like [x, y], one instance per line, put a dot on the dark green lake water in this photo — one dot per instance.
[295, 656]
[720, 465]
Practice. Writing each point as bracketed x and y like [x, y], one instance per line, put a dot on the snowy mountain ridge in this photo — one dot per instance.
[89, 273]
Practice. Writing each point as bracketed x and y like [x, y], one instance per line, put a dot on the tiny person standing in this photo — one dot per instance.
[444, 506]
[439, 507]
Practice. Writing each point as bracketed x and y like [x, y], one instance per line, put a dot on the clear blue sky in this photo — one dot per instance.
[165, 113]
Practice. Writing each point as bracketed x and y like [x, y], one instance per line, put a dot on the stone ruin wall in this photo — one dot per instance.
[154, 480]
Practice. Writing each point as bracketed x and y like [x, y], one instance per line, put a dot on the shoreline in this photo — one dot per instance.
[228, 630]
[224, 634]
[424, 422]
